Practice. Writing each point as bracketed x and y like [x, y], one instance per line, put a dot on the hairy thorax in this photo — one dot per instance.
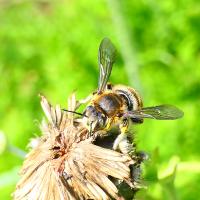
[109, 103]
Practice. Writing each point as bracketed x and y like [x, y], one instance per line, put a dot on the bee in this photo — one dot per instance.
[119, 104]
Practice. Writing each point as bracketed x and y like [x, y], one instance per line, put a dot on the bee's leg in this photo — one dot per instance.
[121, 141]
[125, 146]
[83, 101]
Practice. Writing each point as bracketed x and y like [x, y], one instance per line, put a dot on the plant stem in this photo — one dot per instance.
[127, 50]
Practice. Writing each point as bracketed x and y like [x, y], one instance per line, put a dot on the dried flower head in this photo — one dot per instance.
[65, 164]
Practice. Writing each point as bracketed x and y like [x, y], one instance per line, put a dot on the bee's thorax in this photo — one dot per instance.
[109, 103]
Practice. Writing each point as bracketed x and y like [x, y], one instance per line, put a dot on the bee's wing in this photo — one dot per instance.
[162, 112]
[106, 58]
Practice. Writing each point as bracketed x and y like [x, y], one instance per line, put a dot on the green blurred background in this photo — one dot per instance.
[50, 47]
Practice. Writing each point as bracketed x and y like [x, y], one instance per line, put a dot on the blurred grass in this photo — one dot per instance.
[51, 47]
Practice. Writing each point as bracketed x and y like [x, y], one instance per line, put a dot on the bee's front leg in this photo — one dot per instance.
[121, 142]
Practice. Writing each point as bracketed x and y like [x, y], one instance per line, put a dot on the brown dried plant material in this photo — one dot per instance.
[66, 165]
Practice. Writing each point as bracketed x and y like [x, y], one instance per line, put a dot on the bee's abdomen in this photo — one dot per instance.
[130, 96]
[110, 103]
[127, 99]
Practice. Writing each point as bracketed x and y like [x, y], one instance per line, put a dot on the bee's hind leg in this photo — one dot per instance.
[121, 142]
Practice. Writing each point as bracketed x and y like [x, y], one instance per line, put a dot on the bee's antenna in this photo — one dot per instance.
[75, 112]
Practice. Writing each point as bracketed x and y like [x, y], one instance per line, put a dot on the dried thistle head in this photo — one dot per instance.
[65, 164]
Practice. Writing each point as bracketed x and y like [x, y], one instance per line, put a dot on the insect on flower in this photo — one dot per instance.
[66, 165]
[118, 104]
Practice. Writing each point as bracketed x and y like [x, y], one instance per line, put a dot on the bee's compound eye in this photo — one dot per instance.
[91, 114]
[89, 108]
[90, 111]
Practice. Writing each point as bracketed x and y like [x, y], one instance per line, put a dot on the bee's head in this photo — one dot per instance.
[94, 118]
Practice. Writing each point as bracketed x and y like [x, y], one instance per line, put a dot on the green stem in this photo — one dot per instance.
[127, 50]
